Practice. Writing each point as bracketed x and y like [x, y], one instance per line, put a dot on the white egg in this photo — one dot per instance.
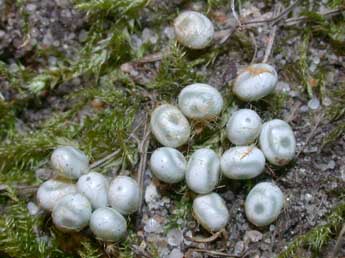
[168, 165]
[51, 191]
[108, 225]
[243, 127]
[193, 30]
[170, 127]
[72, 213]
[200, 101]
[94, 186]
[70, 162]
[255, 82]
[277, 141]
[124, 195]
[203, 171]
[242, 162]
[264, 203]
[211, 212]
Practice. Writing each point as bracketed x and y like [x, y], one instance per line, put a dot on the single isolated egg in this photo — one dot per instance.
[243, 127]
[193, 30]
[51, 191]
[200, 101]
[255, 82]
[168, 165]
[72, 213]
[124, 195]
[203, 171]
[211, 212]
[94, 186]
[264, 203]
[107, 224]
[242, 162]
[277, 141]
[70, 162]
[170, 127]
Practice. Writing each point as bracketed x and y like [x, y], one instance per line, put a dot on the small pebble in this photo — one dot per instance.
[175, 237]
[33, 208]
[314, 103]
[153, 226]
[253, 235]
[151, 195]
[239, 247]
[176, 253]
[308, 197]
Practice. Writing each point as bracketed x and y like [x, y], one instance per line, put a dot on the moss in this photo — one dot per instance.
[336, 114]
[89, 250]
[316, 238]
[20, 234]
[175, 72]
[182, 210]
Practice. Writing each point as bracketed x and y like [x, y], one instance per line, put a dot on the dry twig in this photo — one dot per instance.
[234, 13]
[143, 148]
[271, 38]
[103, 160]
[211, 253]
[206, 240]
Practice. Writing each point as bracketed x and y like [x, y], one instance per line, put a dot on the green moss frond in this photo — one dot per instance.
[317, 237]
[20, 234]
[89, 250]
[175, 72]
[181, 212]
[121, 9]
[336, 113]
[7, 119]
[337, 110]
[213, 4]
[336, 3]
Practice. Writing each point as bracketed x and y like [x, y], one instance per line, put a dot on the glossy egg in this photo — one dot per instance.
[203, 171]
[211, 212]
[242, 162]
[168, 165]
[69, 162]
[264, 203]
[200, 101]
[108, 225]
[243, 127]
[277, 141]
[193, 30]
[94, 186]
[124, 195]
[72, 213]
[170, 127]
[255, 82]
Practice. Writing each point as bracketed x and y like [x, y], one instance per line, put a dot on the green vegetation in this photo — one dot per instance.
[317, 237]
[336, 114]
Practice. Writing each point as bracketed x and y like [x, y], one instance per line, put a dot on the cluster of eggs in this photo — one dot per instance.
[78, 197]
[93, 200]
[202, 172]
